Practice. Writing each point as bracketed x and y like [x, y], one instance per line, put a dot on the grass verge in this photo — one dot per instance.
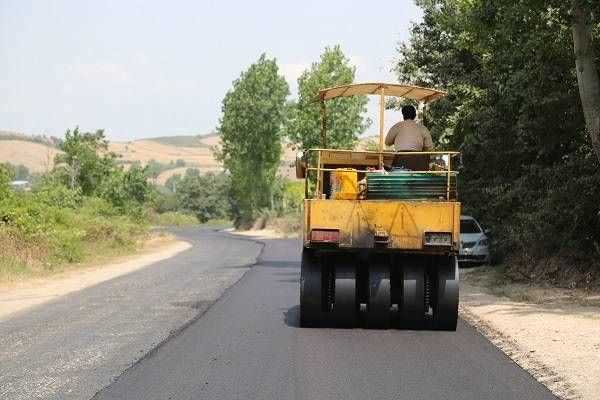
[173, 218]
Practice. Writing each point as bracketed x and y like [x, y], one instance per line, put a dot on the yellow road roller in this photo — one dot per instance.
[380, 242]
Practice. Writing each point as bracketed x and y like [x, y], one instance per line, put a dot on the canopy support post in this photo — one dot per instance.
[381, 127]
[323, 124]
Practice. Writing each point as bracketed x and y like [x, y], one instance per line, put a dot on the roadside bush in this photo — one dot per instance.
[174, 218]
[127, 190]
[5, 178]
[205, 196]
[59, 196]
[165, 201]
[293, 197]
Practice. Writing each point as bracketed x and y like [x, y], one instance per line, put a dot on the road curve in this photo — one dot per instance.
[248, 346]
[72, 347]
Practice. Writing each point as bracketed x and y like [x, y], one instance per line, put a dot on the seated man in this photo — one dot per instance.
[408, 135]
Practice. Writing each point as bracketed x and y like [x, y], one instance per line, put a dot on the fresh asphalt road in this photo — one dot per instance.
[74, 346]
[248, 345]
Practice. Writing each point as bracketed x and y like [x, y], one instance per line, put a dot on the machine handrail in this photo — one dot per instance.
[437, 152]
[380, 154]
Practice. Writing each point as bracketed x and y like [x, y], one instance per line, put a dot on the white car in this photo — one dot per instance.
[474, 242]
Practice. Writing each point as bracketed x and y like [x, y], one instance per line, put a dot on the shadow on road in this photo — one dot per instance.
[280, 264]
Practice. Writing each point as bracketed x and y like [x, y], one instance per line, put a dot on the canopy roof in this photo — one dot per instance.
[389, 89]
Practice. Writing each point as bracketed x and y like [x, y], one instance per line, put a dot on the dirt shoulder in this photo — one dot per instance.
[552, 333]
[18, 296]
[263, 234]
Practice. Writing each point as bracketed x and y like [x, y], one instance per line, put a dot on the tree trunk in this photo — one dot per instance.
[587, 74]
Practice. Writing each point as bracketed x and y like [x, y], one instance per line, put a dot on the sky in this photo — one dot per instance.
[159, 68]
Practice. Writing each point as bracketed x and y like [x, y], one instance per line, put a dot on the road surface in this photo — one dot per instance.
[74, 346]
[247, 345]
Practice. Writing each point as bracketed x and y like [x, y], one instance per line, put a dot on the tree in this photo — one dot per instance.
[345, 119]
[21, 172]
[587, 73]
[250, 129]
[154, 168]
[87, 159]
[172, 183]
[6, 175]
[207, 197]
[126, 189]
[513, 109]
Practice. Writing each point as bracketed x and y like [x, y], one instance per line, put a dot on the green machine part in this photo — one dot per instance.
[409, 186]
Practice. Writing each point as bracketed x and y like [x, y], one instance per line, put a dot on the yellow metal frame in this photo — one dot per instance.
[403, 223]
[320, 168]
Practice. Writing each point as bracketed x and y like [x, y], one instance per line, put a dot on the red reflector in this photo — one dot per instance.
[324, 236]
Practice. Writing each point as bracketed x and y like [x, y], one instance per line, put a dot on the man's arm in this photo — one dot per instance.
[427, 142]
[391, 137]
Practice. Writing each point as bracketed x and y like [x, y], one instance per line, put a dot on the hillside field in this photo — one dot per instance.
[195, 151]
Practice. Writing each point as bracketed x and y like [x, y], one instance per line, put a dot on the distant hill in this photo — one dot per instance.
[42, 139]
[182, 140]
[37, 157]
[37, 153]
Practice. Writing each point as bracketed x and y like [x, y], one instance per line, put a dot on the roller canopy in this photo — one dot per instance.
[390, 89]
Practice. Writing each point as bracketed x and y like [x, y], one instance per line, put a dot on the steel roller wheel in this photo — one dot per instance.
[445, 313]
[345, 310]
[310, 290]
[379, 300]
[412, 309]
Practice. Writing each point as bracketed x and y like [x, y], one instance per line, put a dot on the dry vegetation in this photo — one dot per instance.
[497, 282]
[37, 157]
[194, 150]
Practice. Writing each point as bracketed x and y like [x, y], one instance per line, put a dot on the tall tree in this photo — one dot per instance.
[250, 129]
[87, 159]
[514, 111]
[345, 119]
[587, 73]
[206, 196]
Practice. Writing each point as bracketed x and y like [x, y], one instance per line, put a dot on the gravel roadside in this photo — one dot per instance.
[557, 342]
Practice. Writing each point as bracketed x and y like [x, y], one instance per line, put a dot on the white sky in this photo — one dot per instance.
[152, 68]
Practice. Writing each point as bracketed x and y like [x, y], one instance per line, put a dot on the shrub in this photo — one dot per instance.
[173, 218]
[59, 196]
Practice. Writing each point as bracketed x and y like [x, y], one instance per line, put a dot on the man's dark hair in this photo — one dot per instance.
[409, 112]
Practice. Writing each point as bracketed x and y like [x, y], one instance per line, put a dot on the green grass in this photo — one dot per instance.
[217, 224]
[180, 141]
[173, 218]
[40, 238]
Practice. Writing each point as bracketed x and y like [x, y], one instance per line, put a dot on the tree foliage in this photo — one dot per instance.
[250, 129]
[205, 196]
[345, 119]
[87, 159]
[5, 178]
[127, 188]
[513, 110]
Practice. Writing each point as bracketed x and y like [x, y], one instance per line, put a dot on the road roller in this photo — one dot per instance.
[380, 229]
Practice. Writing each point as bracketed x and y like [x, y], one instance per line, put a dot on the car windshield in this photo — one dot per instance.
[469, 226]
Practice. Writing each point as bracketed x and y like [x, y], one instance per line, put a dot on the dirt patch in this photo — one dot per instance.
[280, 228]
[262, 234]
[552, 333]
[23, 295]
